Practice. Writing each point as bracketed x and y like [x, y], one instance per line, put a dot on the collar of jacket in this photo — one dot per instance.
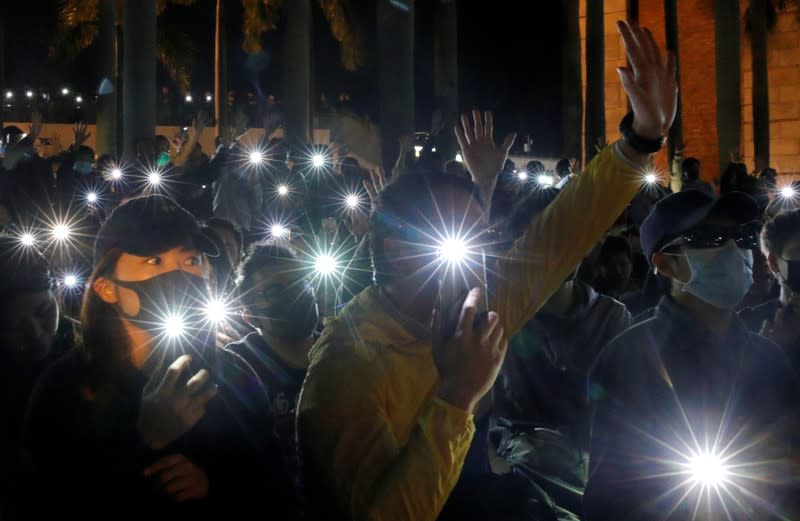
[686, 332]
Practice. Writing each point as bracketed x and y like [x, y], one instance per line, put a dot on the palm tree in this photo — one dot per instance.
[138, 73]
[395, 75]
[729, 84]
[760, 20]
[445, 68]
[262, 15]
[671, 32]
[79, 28]
[595, 78]
[572, 101]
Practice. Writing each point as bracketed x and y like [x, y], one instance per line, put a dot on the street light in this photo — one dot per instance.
[64, 91]
[78, 99]
[188, 98]
[28, 93]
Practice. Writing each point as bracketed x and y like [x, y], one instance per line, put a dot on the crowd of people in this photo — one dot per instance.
[272, 331]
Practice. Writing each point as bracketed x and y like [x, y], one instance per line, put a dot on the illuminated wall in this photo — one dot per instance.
[696, 28]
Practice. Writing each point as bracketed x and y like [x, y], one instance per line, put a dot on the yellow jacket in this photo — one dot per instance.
[380, 440]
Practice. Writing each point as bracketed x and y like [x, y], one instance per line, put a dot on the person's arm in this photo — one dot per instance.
[484, 160]
[565, 231]
[345, 431]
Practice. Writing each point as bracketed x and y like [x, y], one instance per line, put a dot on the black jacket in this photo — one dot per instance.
[669, 387]
[89, 459]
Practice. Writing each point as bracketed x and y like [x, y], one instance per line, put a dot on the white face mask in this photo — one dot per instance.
[720, 276]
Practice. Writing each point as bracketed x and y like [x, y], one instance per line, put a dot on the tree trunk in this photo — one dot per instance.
[595, 78]
[729, 84]
[297, 72]
[220, 70]
[107, 59]
[671, 30]
[139, 73]
[445, 70]
[395, 76]
[572, 101]
[2, 68]
[758, 45]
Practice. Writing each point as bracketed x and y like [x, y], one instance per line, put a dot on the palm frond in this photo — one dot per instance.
[258, 17]
[174, 52]
[77, 27]
[74, 13]
[345, 30]
[161, 5]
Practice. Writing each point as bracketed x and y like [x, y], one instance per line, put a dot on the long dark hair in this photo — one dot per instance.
[104, 341]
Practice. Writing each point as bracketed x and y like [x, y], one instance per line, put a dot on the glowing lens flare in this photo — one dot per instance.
[91, 197]
[154, 178]
[278, 231]
[325, 264]
[650, 179]
[174, 326]
[318, 160]
[70, 281]
[788, 192]
[453, 251]
[545, 180]
[78, 99]
[217, 311]
[522, 175]
[256, 157]
[27, 239]
[61, 232]
[352, 201]
[116, 173]
[708, 470]
[283, 190]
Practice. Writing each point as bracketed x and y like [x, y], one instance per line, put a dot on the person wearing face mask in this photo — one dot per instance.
[147, 418]
[777, 318]
[29, 322]
[279, 302]
[691, 388]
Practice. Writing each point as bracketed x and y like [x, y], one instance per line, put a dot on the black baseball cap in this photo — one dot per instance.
[681, 212]
[149, 225]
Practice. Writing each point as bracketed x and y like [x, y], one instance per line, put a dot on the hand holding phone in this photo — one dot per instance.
[171, 407]
[470, 356]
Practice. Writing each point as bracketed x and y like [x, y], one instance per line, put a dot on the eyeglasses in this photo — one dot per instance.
[745, 236]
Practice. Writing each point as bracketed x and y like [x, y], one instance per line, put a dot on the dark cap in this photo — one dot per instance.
[681, 212]
[149, 225]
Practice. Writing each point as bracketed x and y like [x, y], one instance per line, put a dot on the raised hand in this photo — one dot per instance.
[374, 185]
[650, 82]
[178, 477]
[37, 123]
[483, 158]
[199, 124]
[79, 133]
[470, 358]
[172, 408]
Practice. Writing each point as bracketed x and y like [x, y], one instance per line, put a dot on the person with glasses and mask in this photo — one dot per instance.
[278, 300]
[690, 409]
[387, 414]
[147, 418]
[777, 318]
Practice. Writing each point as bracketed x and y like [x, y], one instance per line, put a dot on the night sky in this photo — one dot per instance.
[509, 59]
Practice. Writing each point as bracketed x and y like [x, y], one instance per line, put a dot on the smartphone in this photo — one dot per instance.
[453, 290]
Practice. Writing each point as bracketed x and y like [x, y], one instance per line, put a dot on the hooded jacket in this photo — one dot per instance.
[373, 437]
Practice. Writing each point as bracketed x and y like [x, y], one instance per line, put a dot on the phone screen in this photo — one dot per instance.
[453, 290]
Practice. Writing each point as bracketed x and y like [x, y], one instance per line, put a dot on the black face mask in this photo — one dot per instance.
[790, 273]
[289, 317]
[173, 302]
